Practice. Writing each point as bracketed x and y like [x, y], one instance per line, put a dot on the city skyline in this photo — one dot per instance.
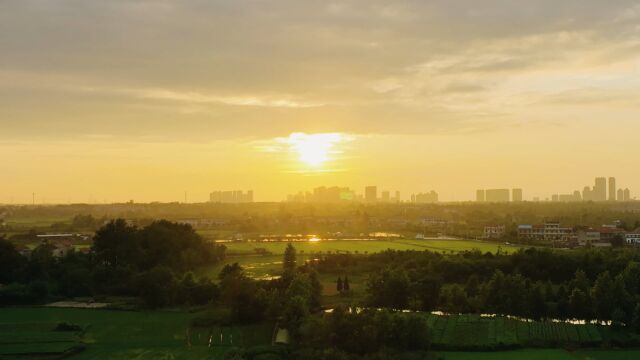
[601, 191]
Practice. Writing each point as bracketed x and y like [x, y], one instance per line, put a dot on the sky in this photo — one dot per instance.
[105, 101]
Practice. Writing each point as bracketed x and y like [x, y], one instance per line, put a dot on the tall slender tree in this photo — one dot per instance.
[289, 261]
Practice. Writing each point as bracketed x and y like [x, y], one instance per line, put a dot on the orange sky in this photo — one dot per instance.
[111, 101]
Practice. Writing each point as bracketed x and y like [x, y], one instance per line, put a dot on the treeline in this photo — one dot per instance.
[289, 299]
[153, 262]
[350, 333]
[293, 301]
[538, 284]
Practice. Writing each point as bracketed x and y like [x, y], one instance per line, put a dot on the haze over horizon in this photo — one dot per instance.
[143, 100]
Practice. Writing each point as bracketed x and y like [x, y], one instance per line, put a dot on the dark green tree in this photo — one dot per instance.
[289, 260]
[339, 285]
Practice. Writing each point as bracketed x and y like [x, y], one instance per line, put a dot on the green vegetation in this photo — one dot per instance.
[536, 354]
[123, 334]
[473, 332]
[365, 246]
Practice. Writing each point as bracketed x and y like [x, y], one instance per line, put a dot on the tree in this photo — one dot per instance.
[536, 307]
[602, 296]
[345, 285]
[11, 262]
[635, 320]
[156, 286]
[617, 241]
[454, 299]
[289, 261]
[295, 313]
[579, 305]
[115, 244]
[389, 288]
[339, 285]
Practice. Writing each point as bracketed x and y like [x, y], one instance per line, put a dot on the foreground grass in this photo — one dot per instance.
[545, 354]
[138, 335]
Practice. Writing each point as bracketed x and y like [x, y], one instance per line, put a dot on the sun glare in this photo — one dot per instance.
[314, 150]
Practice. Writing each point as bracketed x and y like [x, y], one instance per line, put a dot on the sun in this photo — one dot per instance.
[314, 150]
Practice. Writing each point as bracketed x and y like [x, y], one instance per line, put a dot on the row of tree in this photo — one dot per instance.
[152, 262]
[475, 283]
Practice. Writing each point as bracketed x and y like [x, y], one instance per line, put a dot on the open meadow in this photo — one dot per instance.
[28, 333]
[368, 246]
[34, 333]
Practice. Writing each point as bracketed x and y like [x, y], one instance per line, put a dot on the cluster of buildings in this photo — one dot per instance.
[231, 197]
[498, 195]
[426, 198]
[324, 194]
[335, 194]
[554, 232]
[602, 190]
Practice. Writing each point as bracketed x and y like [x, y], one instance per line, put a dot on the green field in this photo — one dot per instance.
[473, 332]
[143, 335]
[542, 354]
[368, 246]
[266, 266]
[123, 334]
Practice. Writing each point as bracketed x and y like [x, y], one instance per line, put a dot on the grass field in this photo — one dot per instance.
[485, 333]
[36, 340]
[542, 354]
[267, 266]
[130, 335]
[368, 246]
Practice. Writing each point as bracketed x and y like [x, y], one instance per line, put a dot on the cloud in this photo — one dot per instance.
[261, 68]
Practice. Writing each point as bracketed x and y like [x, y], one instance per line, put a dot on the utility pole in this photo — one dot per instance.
[33, 198]
[185, 197]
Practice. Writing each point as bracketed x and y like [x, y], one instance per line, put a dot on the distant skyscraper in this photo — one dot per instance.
[620, 195]
[612, 189]
[427, 198]
[231, 197]
[371, 193]
[480, 196]
[397, 196]
[576, 195]
[497, 195]
[600, 189]
[586, 194]
[516, 195]
[627, 194]
[386, 197]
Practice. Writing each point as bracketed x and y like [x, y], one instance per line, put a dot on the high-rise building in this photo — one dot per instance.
[497, 195]
[620, 195]
[386, 197]
[480, 196]
[612, 189]
[516, 195]
[231, 197]
[397, 196]
[627, 194]
[600, 189]
[371, 193]
[427, 198]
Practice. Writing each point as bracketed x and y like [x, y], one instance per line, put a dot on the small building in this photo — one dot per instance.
[550, 231]
[494, 232]
[633, 238]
